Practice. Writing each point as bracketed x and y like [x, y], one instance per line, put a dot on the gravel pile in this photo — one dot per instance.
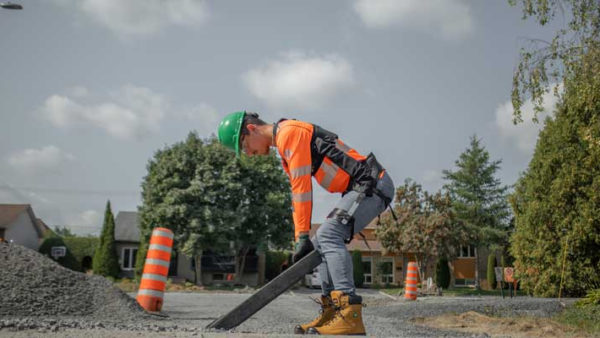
[35, 285]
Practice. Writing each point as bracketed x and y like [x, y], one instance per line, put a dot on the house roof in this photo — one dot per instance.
[43, 226]
[126, 227]
[359, 244]
[372, 225]
[10, 212]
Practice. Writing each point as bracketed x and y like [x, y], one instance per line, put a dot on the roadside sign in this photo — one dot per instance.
[58, 251]
[509, 275]
[498, 272]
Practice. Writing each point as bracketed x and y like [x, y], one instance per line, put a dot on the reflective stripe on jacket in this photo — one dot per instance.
[308, 150]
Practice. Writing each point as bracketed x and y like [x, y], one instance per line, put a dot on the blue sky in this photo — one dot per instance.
[90, 89]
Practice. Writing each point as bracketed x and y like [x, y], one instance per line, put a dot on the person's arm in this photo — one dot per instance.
[294, 145]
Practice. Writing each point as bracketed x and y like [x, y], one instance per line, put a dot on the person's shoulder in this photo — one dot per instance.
[288, 126]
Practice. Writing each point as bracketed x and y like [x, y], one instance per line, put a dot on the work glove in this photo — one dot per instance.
[303, 247]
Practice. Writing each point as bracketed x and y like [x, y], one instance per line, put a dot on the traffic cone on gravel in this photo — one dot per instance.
[325, 314]
[347, 319]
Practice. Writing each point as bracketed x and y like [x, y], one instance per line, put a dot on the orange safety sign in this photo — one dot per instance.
[509, 275]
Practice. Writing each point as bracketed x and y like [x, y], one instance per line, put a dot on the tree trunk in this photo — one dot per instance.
[420, 261]
[477, 285]
[198, 270]
[240, 263]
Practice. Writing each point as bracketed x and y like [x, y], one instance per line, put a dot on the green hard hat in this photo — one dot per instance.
[230, 129]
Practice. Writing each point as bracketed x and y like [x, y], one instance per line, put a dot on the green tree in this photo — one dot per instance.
[478, 198]
[274, 259]
[63, 231]
[442, 273]
[426, 225]
[213, 200]
[192, 188]
[549, 62]
[491, 273]
[556, 201]
[106, 261]
[358, 269]
[265, 209]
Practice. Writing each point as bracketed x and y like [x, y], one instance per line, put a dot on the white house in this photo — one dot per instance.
[19, 224]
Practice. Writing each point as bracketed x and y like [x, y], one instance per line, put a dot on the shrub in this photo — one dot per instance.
[81, 246]
[591, 298]
[273, 262]
[68, 261]
[442, 273]
[491, 273]
[357, 268]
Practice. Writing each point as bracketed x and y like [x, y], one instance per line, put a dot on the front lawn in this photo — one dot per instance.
[586, 318]
[459, 292]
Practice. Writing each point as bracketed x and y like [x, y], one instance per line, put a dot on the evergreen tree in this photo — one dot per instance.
[478, 198]
[106, 261]
[442, 273]
[557, 201]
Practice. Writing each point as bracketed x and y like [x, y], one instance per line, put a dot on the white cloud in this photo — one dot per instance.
[203, 112]
[135, 112]
[299, 81]
[523, 135]
[86, 218]
[432, 176]
[84, 223]
[78, 91]
[140, 17]
[450, 18]
[204, 117]
[48, 158]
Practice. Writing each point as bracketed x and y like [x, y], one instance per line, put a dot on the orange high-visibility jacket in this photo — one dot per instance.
[308, 150]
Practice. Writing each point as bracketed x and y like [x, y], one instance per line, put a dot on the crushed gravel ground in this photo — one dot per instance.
[39, 298]
[38, 286]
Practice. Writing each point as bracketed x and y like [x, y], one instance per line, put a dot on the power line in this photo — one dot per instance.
[72, 191]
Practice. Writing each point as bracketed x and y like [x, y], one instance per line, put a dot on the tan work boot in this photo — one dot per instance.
[325, 314]
[347, 319]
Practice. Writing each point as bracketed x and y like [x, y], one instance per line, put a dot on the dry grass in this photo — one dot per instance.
[474, 322]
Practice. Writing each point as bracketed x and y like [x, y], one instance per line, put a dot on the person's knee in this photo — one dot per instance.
[329, 234]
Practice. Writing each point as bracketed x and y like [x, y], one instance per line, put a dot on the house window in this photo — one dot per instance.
[386, 267]
[464, 282]
[128, 256]
[368, 273]
[466, 251]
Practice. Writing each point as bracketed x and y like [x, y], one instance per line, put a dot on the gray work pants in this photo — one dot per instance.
[336, 269]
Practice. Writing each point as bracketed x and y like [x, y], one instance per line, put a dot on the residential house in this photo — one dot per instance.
[215, 269]
[382, 268]
[127, 241]
[19, 225]
[463, 267]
